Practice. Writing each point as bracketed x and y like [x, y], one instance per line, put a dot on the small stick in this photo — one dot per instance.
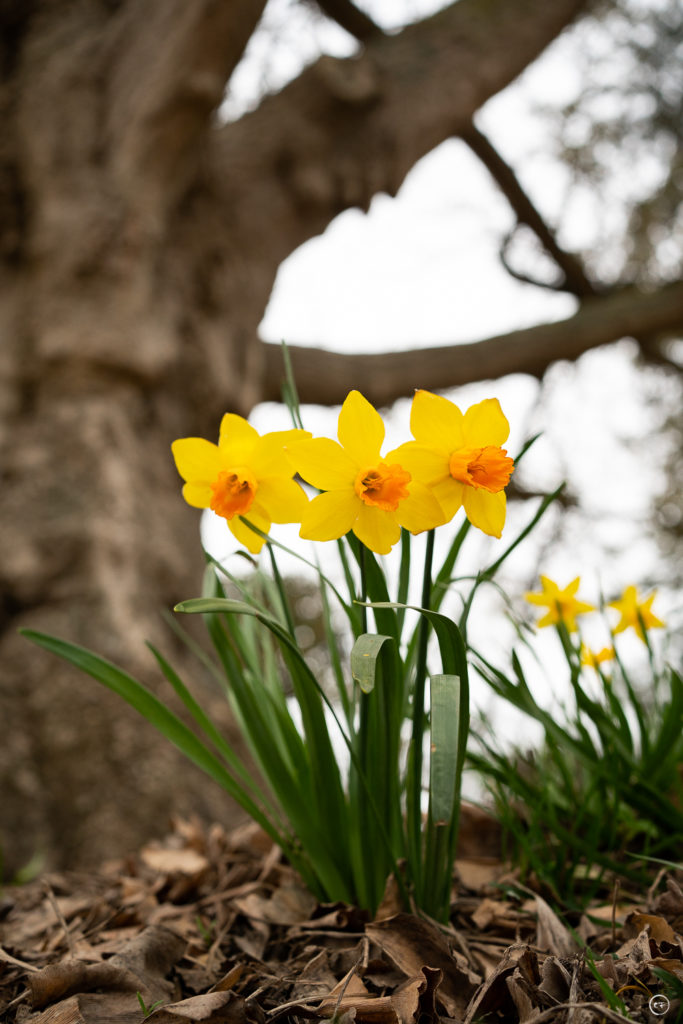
[615, 894]
[60, 917]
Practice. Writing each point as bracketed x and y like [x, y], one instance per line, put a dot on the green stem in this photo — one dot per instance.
[363, 589]
[415, 781]
[286, 610]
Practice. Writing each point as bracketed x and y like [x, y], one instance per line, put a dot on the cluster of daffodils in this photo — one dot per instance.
[455, 460]
[563, 606]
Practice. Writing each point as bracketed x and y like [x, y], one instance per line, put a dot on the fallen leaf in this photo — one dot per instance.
[210, 1007]
[494, 995]
[413, 943]
[551, 934]
[660, 930]
[171, 862]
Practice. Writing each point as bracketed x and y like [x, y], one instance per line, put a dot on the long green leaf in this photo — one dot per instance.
[329, 812]
[446, 756]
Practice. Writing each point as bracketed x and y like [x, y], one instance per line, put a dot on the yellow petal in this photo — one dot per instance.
[269, 456]
[450, 494]
[485, 510]
[360, 430]
[237, 439]
[251, 541]
[330, 515]
[377, 529]
[420, 510]
[434, 421]
[323, 463]
[198, 495]
[282, 498]
[485, 424]
[197, 460]
[426, 464]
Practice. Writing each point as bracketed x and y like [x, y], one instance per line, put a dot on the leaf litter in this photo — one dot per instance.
[214, 926]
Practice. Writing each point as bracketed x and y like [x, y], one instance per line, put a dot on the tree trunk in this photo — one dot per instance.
[140, 245]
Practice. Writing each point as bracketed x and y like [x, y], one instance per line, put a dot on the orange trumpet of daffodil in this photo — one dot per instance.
[245, 474]
[562, 604]
[363, 491]
[461, 457]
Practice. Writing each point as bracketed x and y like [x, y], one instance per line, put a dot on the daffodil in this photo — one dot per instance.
[245, 474]
[593, 659]
[461, 457]
[635, 612]
[563, 605]
[363, 491]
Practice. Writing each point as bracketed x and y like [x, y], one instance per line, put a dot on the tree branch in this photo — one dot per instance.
[347, 129]
[575, 278]
[170, 66]
[326, 377]
[356, 22]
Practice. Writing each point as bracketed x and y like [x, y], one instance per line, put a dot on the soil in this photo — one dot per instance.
[214, 926]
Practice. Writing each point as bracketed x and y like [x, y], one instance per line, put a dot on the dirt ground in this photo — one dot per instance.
[214, 926]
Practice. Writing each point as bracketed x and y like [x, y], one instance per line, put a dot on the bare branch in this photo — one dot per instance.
[519, 275]
[326, 377]
[575, 278]
[356, 22]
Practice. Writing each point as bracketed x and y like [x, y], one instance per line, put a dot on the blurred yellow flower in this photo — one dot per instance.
[636, 613]
[243, 475]
[461, 457]
[363, 491]
[592, 659]
[563, 605]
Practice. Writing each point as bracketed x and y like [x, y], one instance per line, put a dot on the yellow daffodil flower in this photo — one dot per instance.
[592, 659]
[461, 457]
[363, 491]
[562, 605]
[635, 612]
[243, 475]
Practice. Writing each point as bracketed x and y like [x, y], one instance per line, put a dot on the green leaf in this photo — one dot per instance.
[446, 755]
[364, 655]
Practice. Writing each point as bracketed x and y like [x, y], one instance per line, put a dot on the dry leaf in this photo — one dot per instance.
[494, 995]
[211, 1008]
[413, 943]
[551, 934]
[660, 930]
[171, 862]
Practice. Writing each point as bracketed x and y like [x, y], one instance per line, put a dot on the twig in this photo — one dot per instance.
[597, 1008]
[615, 894]
[17, 963]
[60, 917]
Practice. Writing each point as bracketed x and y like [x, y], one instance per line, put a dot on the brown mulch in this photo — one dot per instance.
[214, 926]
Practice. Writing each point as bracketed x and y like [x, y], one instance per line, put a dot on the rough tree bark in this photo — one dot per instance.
[140, 244]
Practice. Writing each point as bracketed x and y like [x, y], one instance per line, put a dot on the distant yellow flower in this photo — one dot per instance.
[243, 475]
[363, 491]
[461, 457]
[636, 613]
[592, 659]
[562, 605]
